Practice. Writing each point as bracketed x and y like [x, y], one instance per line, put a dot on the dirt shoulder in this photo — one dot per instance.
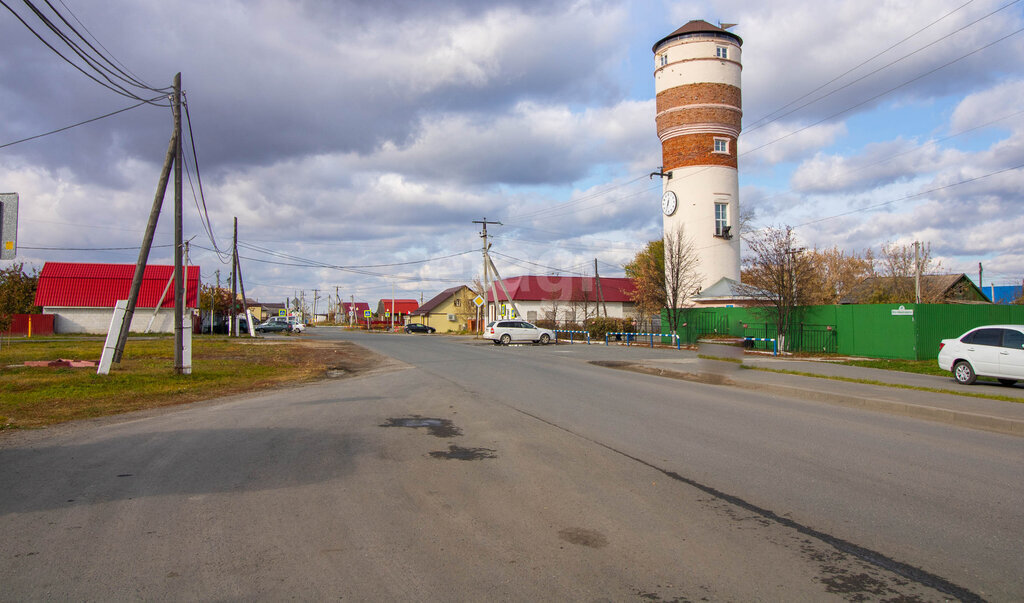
[35, 397]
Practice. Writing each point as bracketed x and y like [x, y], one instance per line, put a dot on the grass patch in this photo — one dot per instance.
[920, 367]
[935, 390]
[36, 397]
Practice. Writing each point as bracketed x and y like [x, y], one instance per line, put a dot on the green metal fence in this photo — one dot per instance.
[908, 331]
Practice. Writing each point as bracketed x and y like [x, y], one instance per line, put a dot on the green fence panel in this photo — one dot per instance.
[945, 321]
[907, 331]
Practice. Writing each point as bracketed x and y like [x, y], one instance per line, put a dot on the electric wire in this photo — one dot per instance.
[81, 123]
[125, 67]
[117, 71]
[110, 85]
[757, 125]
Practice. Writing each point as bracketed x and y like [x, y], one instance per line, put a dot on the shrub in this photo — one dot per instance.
[601, 326]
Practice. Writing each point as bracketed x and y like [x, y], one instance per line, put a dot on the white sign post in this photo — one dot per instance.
[120, 309]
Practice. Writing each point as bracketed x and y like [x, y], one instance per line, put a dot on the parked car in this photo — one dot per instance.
[507, 331]
[988, 351]
[273, 326]
[415, 327]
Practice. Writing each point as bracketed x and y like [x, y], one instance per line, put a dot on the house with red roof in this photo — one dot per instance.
[570, 299]
[82, 296]
[397, 307]
[353, 311]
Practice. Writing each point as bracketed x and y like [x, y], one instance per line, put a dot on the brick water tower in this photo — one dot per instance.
[697, 80]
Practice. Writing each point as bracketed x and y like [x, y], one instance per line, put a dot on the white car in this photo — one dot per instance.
[988, 351]
[507, 331]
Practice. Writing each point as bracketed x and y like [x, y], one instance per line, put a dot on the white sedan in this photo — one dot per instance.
[507, 331]
[989, 351]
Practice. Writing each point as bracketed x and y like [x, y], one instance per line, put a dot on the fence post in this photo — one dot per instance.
[606, 338]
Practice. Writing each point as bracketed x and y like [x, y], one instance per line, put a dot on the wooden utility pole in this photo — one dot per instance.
[147, 241]
[600, 296]
[487, 261]
[179, 282]
[233, 319]
[917, 272]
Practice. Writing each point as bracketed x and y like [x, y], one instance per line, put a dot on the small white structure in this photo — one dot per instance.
[82, 296]
[563, 298]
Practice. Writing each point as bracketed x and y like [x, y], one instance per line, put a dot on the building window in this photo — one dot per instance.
[663, 59]
[721, 52]
[722, 220]
[458, 302]
[722, 145]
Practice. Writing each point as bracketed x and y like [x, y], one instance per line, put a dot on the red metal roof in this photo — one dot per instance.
[360, 307]
[69, 284]
[401, 306]
[563, 288]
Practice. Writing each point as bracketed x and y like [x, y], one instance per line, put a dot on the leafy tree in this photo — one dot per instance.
[17, 293]
[647, 273]
[664, 275]
[834, 274]
[778, 275]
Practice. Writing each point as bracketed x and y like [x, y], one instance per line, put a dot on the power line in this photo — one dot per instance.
[881, 94]
[756, 124]
[912, 196]
[81, 123]
[110, 84]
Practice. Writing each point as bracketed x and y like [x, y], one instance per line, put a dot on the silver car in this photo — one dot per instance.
[989, 351]
[507, 331]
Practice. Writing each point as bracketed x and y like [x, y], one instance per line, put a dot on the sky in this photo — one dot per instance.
[356, 142]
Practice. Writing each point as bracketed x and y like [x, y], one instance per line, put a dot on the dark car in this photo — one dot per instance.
[273, 326]
[418, 328]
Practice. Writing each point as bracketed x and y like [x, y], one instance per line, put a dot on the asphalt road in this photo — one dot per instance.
[468, 472]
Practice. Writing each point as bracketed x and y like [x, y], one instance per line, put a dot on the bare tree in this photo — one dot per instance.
[778, 275]
[898, 265]
[682, 278]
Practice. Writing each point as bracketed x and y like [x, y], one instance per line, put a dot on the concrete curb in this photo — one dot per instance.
[947, 416]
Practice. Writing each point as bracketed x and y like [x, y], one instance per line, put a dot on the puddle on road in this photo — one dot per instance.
[459, 453]
[441, 428]
[583, 537]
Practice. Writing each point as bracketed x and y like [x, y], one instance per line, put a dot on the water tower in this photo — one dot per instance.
[697, 79]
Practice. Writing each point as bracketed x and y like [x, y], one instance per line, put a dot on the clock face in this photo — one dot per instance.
[668, 203]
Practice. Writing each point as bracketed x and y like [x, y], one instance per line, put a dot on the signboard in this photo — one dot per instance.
[478, 300]
[367, 314]
[8, 225]
[901, 311]
[282, 313]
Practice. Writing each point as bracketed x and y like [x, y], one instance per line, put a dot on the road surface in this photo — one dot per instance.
[466, 471]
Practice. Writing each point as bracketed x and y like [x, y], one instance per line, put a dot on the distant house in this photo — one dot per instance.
[448, 311]
[354, 311]
[82, 296]
[398, 308]
[1003, 294]
[935, 289]
[726, 293]
[563, 298]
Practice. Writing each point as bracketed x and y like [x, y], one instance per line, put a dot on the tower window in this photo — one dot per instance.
[721, 52]
[663, 59]
[722, 220]
[722, 145]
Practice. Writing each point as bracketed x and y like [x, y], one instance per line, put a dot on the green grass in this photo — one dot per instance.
[145, 378]
[936, 390]
[920, 367]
